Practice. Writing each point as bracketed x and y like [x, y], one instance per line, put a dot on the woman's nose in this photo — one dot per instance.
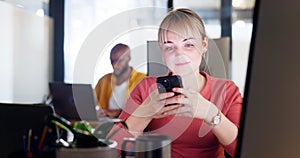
[179, 50]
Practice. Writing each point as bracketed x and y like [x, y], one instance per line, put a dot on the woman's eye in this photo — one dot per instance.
[169, 48]
[189, 45]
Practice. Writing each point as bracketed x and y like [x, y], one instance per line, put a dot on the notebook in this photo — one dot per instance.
[74, 102]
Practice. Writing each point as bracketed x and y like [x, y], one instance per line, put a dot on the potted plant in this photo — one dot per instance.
[87, 143]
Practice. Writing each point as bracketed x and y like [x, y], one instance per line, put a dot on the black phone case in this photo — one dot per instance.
[167, 83]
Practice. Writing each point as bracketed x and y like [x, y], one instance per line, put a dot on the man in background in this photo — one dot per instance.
[113, 89]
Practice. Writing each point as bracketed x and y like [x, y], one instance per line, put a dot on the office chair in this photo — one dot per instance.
[216, 60]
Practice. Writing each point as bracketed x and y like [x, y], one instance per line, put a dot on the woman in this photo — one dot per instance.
[205, 118]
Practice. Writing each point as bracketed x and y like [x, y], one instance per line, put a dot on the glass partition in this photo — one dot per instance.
[84, 17]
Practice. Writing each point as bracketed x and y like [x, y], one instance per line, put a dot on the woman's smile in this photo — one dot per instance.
[182, 63]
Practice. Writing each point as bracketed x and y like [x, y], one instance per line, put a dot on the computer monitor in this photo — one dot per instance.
[16, 121]
[270, 124]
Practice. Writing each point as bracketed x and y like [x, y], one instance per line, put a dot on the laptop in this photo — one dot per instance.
[74, 102]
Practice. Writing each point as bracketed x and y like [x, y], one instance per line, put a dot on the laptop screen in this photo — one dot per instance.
[74, 101]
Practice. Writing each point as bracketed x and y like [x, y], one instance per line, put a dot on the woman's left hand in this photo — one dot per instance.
[194, 104]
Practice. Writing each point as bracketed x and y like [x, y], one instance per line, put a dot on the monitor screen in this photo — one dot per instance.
[271, 121]
[16, 121]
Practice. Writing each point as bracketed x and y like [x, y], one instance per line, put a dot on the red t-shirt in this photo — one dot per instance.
[191, 137]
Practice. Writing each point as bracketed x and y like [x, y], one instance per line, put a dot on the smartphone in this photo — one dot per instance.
[167, 83]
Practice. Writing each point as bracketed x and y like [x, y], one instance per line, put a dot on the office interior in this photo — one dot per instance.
[45, 41]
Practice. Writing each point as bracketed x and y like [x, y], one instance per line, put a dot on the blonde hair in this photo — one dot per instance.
[183, 22]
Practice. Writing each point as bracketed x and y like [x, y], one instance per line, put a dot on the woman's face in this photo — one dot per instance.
[183, 55]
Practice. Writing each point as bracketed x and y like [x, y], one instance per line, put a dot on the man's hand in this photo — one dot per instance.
[112, 113]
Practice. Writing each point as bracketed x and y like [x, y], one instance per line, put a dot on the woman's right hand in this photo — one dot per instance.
[154, 105]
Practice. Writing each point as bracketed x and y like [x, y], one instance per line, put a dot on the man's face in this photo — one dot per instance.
[120, 61]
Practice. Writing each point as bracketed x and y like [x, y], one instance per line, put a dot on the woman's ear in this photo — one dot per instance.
[205, 44]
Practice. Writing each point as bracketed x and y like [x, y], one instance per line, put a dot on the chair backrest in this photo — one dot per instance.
[16, 120]
[215, 61]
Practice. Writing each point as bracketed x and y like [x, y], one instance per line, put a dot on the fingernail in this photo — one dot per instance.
[171, 94]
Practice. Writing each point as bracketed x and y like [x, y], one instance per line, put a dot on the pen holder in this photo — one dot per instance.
[85, 143]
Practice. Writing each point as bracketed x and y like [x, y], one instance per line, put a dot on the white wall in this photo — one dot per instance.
[241, 36]
[25, 55]
[92, 60]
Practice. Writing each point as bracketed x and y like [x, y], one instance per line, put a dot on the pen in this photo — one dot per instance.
[25, 143]
[34, 145]
[29, 139]
[29, 153]
[43, 136]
